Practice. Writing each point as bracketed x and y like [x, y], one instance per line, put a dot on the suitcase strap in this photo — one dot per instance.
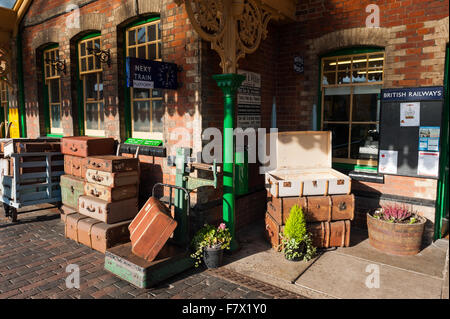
[90, 232]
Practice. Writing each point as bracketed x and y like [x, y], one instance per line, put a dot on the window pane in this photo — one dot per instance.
[92, 116]
[102, 116]
[141, 93]
[376, 61]
[375, 76]
[159, 31]
[132, 52]
[364, 141]
[54, 91]
[360, 62]
[56, 115]
[98, 65]
[141, 116]
[344, 63]
[359, 76]
[132, 37]
[83, 65]
[329, 65]
[365, 108]
[151, 32]
[90, 86]
[90, 63]
[343, 77]
[83, 49]
[97, 44]
[329, 78]
[156, 93]
[141, 52]
[141, 35]
[159, 51]
[89, 46]
[339, 139]
[336, 108]
[99, 87]
[152, 51]
[158, 115]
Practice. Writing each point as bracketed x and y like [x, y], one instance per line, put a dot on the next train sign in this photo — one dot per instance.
[148, 74]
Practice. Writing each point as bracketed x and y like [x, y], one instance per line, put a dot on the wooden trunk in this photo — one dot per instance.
[273, 231]
[343, 207]
[66, 211]
[109, 213]
[110, 194]
[100, 236]
[112, 179]
[330, 234]
[151, 229]
[112, 163]
[85, 146]
[319, 209]
[279, 208]
[75, 165]
[72, 188]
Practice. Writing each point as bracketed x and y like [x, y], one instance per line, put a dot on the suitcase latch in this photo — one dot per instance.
[314, 183]
[341, 182]
[286, 184]
[342, 206]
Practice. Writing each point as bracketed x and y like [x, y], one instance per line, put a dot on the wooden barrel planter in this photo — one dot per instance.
[395, 238]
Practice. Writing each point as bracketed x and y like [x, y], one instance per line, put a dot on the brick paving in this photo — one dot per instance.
[34, 255]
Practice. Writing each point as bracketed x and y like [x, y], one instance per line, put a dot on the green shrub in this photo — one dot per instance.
[295, 227]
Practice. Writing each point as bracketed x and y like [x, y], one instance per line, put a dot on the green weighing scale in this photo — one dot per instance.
[174, 258]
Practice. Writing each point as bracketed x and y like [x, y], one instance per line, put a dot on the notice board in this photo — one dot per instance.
[410, 124]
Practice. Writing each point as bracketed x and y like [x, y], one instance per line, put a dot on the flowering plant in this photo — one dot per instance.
[396, 214]
[210, 237]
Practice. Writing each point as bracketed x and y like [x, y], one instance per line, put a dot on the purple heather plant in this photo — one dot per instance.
[396, 214]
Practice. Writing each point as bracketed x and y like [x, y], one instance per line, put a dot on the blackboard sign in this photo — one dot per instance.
[149, 74]
[410, 123]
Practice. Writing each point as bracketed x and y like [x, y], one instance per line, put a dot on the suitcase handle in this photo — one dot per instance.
[97, 178]
[75, 166]
[95, 192]
[96, 165]
[73, 148]
[72, 189]
[90, 209]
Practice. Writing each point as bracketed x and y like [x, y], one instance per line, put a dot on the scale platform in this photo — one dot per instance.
[141, 273]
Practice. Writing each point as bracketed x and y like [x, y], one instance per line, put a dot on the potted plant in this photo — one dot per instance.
[295, 240]
[209, 243]
[396, 230]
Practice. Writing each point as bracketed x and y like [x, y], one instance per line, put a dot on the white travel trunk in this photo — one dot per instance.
[303, 166]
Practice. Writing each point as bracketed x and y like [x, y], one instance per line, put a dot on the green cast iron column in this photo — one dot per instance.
[229, 83]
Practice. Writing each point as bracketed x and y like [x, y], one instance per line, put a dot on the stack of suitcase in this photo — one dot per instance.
[101, 200]
[303, 176]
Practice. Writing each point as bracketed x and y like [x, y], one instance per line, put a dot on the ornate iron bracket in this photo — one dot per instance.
[57, 64]
[104, 56]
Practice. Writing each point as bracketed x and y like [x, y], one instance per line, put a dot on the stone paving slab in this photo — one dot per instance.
[343, 276]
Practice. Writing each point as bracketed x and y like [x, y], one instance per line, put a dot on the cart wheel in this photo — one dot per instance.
[6, 208]
[13, 214]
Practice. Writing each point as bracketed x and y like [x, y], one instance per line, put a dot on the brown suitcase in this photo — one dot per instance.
[319, 209]
[110, 194]
[75, 165]
[279, 208]
[66, 211]
[112, 163]
[71, 227]
[272, 232]
[109, 213]
[343, 207]
[85, 146]
[330, 234]
[151, 230]
[112, 179]
[31, 147]
[100, 236]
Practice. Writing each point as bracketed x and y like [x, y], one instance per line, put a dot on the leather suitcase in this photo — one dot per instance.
[343, 207]
[272, 232]
[110, 194]
[112, 163]
[112, 179]
[71, 227]
[109, 213]
[75, 165]
[100, 236]
[72, 187]
[85, 146]
[279, 208]
[151, 229]
[319, 209]
[66, 211]
[330, 234]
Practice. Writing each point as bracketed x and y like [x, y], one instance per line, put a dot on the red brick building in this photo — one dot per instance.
[407, 49]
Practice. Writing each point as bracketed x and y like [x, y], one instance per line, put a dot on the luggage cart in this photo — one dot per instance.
[32, 181]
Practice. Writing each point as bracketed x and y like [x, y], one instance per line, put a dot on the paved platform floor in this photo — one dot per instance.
[34, 255]
[344, 272]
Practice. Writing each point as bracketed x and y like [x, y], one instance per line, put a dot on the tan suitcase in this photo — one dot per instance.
[112, 179]
[330, 234]
[109, 213]
[151, 229]
[84, 146]
[71, 227]
[66, 211]
[319, 209]
[75, 165]
[112, 163]
[272, 232]
[343, 207]
[110, 194]
[100, 236]
[279, 208]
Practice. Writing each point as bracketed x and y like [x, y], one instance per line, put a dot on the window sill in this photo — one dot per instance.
[367, 177]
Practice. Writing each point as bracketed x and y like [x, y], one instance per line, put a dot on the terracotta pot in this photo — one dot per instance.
[395, 238]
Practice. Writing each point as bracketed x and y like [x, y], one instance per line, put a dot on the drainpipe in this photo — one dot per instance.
[21, 95]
